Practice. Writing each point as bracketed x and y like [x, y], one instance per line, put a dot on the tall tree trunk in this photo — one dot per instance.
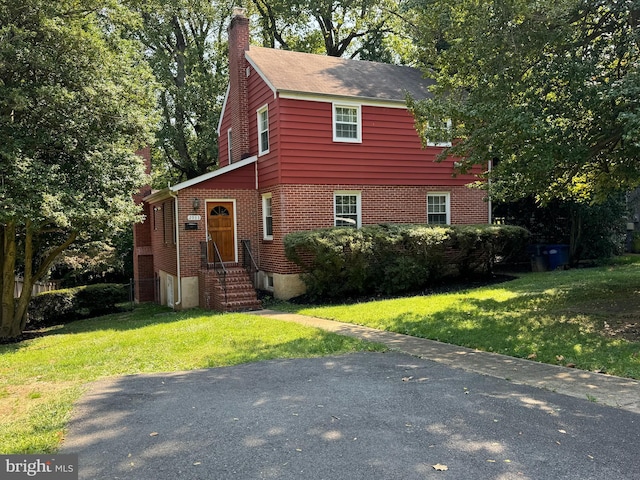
[8, 327]
[575, 235]
[14, 312]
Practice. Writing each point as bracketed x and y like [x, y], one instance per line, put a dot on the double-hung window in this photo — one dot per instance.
[347, 209]
[267, 217]
[438, 209]
[263, 130]
[439, 136]
[347, 123]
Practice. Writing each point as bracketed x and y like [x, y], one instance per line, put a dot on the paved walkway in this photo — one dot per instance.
[617, 392]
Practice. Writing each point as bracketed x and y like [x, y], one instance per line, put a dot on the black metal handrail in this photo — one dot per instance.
[249, 263]
[217, 265]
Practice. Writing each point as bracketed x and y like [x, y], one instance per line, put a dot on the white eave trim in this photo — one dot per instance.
[165, 193]
[259, 72]
[328, 98]
[224, 107]
[215, 173]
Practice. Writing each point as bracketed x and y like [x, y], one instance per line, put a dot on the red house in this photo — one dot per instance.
[306, 141]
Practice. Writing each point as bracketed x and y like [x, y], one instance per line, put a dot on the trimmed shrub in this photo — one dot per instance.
[335, 260]
[92, 300]
[61, 306]
[52, 308]
[395, 258]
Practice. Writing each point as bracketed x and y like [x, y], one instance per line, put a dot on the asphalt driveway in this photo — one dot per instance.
[361, 416]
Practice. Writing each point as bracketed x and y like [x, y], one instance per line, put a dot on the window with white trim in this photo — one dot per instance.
[263, 130]
[347, 209]
[439, 137]
[438, 208]
[267, 217]
[347, 123]
[230, 146]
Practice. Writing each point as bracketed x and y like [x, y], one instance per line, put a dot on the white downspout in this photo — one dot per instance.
[489, 192]
[175, 210]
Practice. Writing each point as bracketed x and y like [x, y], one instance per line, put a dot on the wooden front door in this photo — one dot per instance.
[221, 230]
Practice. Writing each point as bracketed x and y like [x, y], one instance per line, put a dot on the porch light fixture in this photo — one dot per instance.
[196, 204]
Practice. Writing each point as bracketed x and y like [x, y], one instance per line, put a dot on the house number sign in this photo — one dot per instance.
[194, 218]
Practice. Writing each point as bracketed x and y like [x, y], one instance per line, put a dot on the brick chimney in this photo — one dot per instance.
[238, 98]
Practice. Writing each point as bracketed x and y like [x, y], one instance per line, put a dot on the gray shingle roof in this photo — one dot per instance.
[297, 72]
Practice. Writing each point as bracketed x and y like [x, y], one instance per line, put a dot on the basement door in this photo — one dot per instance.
[221, 227]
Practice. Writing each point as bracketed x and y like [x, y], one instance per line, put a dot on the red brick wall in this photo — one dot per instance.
[164, 253]
[237, 101]
[305, 207]
[247, 222]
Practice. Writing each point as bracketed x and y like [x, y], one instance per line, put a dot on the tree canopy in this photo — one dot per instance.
[186, 46]
[549, 91]
[365, 29]
[76, 101]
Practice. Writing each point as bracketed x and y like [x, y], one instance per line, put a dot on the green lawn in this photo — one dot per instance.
[41, 378]
[554, 317]
[561, 317]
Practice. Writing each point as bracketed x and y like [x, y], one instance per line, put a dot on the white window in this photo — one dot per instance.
[229, 146]
[263, 130]
[347, 208]
[438, 209]
[347, 123]
[267, 217]
[438, 137]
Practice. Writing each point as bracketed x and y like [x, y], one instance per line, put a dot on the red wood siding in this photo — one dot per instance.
[241, 178]
[390, 152]
[223, 139]
[260, 94]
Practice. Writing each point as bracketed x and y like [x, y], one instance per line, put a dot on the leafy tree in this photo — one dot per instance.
[592, 231]
[75, 103]
[186, 47]
[102, 261]
[548, 90]
[366, 29]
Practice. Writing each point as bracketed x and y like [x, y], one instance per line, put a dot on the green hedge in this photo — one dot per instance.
[60, 306]
[392, 258]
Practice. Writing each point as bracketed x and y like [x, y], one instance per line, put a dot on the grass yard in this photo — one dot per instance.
[42, 377]
[588, 318]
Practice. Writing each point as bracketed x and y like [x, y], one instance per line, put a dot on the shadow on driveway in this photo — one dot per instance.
[360, 416]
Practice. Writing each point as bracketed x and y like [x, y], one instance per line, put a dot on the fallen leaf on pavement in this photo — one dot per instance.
[440, 467]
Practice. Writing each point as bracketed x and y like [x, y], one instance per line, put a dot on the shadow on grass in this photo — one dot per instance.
[557, 318]
[536, 327]
[140, 316]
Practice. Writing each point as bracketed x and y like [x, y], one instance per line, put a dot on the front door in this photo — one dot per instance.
[221, 230]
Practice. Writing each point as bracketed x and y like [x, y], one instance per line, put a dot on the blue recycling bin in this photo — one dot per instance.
[557, 255]
[545, 257]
